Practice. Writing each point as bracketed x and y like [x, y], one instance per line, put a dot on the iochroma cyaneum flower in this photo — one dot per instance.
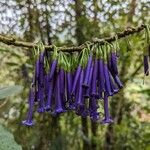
[75, 82]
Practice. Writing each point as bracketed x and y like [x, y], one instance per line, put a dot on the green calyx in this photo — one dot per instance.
[84, 58]
[55, 53]
[74, 61]
[37, 49]
[115, 45]
[62, 63]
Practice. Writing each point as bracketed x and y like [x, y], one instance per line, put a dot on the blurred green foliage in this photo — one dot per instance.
[55, 21]
[7, 140]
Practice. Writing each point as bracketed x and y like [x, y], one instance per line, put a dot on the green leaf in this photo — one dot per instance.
[7, 141]
[11, 90]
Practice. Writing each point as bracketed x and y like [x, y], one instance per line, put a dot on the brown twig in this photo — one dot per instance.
[126, 32]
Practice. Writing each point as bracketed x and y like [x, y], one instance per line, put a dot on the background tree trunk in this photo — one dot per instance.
[80, 39]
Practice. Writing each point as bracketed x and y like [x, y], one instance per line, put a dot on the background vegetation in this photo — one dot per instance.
[71, 22]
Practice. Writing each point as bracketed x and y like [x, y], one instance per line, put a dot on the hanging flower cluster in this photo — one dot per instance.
[74, 82]
[77, 82]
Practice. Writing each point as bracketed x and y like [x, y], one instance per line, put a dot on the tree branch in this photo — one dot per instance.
[126, 32]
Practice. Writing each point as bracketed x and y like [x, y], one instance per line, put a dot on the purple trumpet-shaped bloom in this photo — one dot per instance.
[80, 99]
[41, 75]
[114, 75]
[93, 106]
[101, 76]
[94, 78]
[77, 75]
[49, 98]
[82, 111]
[113, 60]
[72, 103]
[114, 89]
[37, 70]
[100, 92]
[107, 118]
[36, 95]
[117, 81]
[62, 75]
[69, 77]
[62, 81]
[95, 116]
[112, 66]
[146, 66]
[87, 91]
[46, 87]
[42, 55]
[87, 73]
[29, 121]
[107, 81]
[69, 85]
[41, 69]
[52, 69]
[41, 100]
[59, 103]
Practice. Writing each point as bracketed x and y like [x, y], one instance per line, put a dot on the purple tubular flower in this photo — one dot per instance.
[72, 101]
[42, 55]
[80, 100]
[101, 76]
[62, 81]
[41, 100]
[41, 69]
[94, 78]
[94, 115]
[114, 67]
[77, 75]
[93, 105]
[37, 70]
[76, 96]
[69, 85]
[100, 92]
[146, 66]
[117, 81]
[52, 69]
[107, 118]
[29, 121]
[114, 89]
[107, 81]
[58, 106]
[87, 74]
[112, 63]
[46, 87]
[63, 87]
[36, 95]
[87, 92]
[41, 74]
[49, 98]
[82, 111]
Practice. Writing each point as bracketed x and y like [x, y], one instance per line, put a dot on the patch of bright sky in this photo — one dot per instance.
[14, 14]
